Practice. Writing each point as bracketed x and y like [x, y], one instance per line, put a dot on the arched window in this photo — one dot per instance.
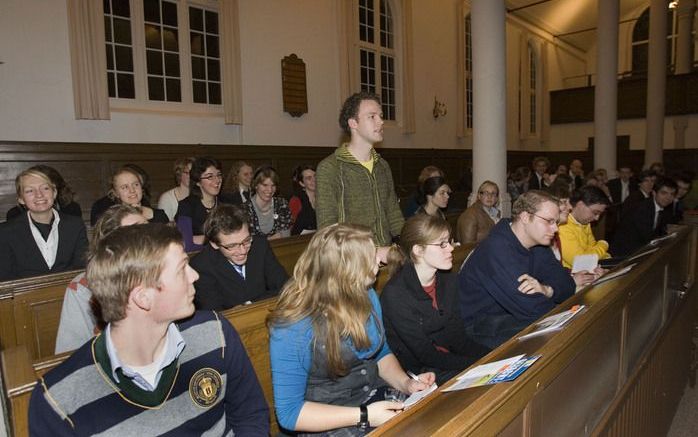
[641, 36]
[377, 52]
[532, 89]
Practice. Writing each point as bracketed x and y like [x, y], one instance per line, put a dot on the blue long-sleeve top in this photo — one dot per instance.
[290, 348]
[489, 280]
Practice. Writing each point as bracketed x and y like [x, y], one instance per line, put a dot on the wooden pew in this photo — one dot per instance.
[30, 308]
[19, 371]
[617, 369]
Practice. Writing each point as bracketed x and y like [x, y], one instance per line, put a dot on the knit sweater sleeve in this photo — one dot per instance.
[327, 193]
[246, 409]
[393, 212]
[43, 419]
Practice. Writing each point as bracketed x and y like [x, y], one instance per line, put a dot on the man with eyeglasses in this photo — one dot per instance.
[234, 269]
[512, 277]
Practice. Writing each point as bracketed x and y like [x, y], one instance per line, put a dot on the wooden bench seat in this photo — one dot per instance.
[20, 371]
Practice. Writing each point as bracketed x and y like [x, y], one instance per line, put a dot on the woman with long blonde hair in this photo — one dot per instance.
[330, 361]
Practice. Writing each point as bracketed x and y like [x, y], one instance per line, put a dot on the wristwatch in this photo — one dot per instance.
[363, 419]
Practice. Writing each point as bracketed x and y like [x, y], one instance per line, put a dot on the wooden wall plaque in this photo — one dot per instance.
[294, 87]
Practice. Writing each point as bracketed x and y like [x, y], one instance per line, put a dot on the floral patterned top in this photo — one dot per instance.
[282, 218]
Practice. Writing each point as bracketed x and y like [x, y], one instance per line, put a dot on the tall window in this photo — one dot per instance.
[641, 36]
[377, 53]
[468, 73]
[532, 89]
[119, 46]
[180, 43]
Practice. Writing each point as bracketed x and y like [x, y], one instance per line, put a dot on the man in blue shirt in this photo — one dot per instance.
[512, 278]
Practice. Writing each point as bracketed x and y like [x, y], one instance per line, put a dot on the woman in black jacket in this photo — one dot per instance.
[420, 302]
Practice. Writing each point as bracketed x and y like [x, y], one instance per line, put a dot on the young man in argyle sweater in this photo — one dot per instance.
[158, 368]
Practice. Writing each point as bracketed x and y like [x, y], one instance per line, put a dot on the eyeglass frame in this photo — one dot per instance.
[444, 244]
[218, 175]
[244, 244]
[549, 221]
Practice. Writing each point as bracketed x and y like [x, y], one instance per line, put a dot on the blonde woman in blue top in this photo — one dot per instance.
[330, 361]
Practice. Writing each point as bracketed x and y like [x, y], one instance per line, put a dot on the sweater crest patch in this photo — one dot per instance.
[205, 387]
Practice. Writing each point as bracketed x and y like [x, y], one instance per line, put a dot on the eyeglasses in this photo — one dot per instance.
[550, 221]
[211, 176]
[244, 244]
[444, 244]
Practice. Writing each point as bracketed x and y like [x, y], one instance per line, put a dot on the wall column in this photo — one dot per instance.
[684, 55]
[489, 97]
[606, 90]
[656, 82]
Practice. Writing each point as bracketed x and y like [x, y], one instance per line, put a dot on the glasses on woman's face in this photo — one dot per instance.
[209, 176]
[444, 244]
[489, 193]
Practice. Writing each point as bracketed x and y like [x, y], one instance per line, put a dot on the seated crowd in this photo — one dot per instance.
[143, 319]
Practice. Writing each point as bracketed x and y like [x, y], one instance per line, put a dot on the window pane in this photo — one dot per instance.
[196, 19]
[122, 31]
[171, 64]
[107, 8]
[214, 70]
[107, 29]
[152, 37]
[212, 46]
[124, 59]
[199, 91]
[214, 93]
[174, 93]
[197, 43]
[154, 61]
[111, 86]
[125, 86]
[386, 25]
[156, 88]
[121, 8]
[151, 10]
[170, 39]
[110, 57]
[198, 68]
[366, 20]
[211, 22]
[169, 13]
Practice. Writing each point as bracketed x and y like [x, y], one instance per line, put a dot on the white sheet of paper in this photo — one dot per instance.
[473, 377]
[419, 395]
[584, 263]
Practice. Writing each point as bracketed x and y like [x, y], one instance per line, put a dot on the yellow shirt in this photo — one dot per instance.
[577, 239]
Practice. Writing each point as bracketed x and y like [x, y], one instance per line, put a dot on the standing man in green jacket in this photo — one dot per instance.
[354, 184]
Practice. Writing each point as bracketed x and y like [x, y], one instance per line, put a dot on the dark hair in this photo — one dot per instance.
[225, 219]
[520, 174]
[541, 158]
[297, 176]
[590, 195]
[665, 182]
[350, 108]
[64, 192]
[530, 202]
[685, 176]
[560, 188]
[428, 188]
[644, 174]
[231, 181]
[198, 168]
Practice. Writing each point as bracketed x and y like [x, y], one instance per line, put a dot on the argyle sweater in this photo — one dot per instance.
[210, 389]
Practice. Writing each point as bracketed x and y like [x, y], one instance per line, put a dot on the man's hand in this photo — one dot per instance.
[530, 285]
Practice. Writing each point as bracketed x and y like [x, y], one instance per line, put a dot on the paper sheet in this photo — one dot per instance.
[585, 263]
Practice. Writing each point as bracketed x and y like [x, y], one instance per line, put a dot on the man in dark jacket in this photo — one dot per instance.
[512, 278]
[233, 269]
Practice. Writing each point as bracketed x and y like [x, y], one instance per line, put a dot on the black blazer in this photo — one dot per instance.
[221, 287]
[234, 198]
[533, 183]
[413, 327]
[20, 256]
[616, 189]
[636, 228]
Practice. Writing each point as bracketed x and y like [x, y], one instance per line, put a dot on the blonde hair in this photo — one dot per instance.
[231, 181]
[329, 285]
[119, 171]
[129, 257]
[111, 220]
[32, 172]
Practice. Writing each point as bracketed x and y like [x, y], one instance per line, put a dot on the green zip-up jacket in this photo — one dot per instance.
[347, 192]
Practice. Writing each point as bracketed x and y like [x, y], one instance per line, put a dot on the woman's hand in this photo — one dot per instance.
[381, 411]
[199, 239]
[425, 381]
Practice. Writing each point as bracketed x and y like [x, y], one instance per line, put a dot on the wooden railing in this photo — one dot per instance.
[19, 371]
[618, 369]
